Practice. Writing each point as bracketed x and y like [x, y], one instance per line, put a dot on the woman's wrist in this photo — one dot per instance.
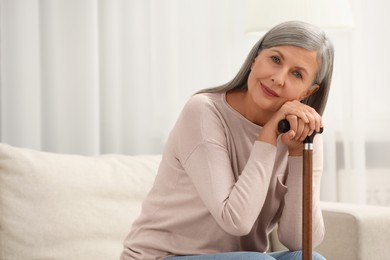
[268, 135]
[296, 150]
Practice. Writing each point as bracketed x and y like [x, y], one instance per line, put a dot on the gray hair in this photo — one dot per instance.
[294, 33]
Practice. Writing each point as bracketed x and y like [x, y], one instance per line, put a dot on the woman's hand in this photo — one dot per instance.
[303, 119]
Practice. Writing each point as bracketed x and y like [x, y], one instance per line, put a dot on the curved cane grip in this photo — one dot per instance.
[284, 127]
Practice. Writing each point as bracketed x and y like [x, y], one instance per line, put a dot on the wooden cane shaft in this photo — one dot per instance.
[307, 204]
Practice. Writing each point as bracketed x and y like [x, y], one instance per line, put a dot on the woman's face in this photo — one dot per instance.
[280, 74]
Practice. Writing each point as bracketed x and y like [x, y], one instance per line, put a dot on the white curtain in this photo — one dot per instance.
[357, 143]
[100, 76]
[111, 76]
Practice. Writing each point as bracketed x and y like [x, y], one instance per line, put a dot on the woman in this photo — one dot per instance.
[227, 177]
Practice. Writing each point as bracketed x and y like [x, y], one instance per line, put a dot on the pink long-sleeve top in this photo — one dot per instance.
[220, 190]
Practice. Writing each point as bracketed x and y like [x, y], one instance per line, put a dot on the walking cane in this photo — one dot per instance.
[307, 183]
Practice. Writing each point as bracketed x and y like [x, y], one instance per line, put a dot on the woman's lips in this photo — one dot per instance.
[268, 91]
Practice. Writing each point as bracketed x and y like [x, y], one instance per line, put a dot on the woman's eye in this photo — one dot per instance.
[275, 59]
[297, 74]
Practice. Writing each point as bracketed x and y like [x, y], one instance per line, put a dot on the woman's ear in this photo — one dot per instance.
[255, 59]
[253, 62]
[310, 91]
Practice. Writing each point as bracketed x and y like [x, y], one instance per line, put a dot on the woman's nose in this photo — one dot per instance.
[278, 78]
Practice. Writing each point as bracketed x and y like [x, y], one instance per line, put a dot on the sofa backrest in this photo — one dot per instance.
[60, 206]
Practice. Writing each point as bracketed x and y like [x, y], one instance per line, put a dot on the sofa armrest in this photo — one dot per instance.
[353, 232]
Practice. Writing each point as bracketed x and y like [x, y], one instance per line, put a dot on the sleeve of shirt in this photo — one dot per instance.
[290, 224]
[234, 204]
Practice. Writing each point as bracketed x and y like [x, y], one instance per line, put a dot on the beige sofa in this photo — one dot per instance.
[58, 206]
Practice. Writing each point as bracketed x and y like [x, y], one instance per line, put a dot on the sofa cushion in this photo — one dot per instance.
[59, 206]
